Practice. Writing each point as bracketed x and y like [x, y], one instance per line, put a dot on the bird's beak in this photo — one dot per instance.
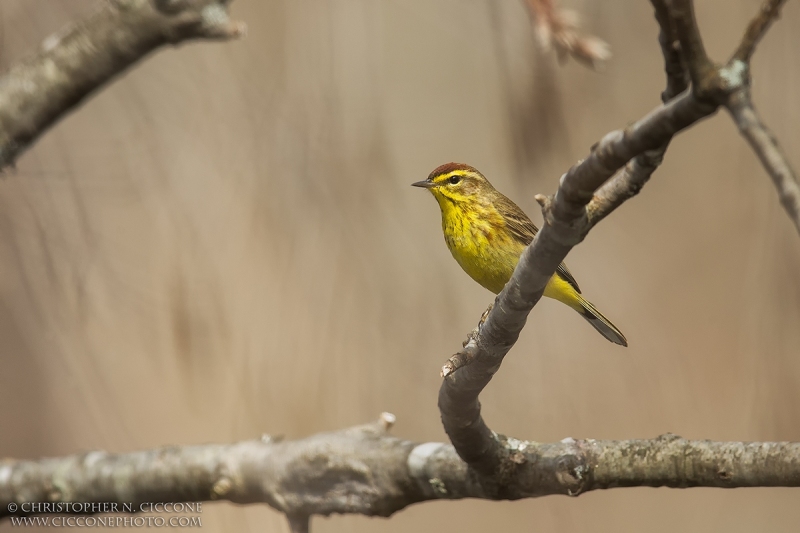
[424, 184]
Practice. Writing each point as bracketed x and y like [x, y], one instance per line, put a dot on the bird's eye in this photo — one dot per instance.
[454, 179]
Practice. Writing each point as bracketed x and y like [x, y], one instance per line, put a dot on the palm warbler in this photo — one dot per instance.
[486, 233]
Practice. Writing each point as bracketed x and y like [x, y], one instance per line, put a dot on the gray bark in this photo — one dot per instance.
[365, 470]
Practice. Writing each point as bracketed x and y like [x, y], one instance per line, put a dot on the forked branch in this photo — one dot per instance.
[768, 151]
[740, 104]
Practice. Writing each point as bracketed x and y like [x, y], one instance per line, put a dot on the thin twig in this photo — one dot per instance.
[674, 68]
[624, 185]
[694, 53]
[558, 28]
[740, 105]
[770, 11]
[768, 151]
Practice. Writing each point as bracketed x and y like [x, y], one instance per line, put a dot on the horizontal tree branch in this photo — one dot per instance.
[84, 55]
[365, 470]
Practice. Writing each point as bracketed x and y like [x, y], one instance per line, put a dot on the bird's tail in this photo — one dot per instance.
[600, 323]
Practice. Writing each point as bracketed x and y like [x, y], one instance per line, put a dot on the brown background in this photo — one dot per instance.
[223, 243]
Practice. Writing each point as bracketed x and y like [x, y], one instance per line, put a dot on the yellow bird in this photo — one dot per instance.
[486, 233]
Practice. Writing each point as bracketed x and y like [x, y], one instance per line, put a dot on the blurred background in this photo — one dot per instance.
[223, 243]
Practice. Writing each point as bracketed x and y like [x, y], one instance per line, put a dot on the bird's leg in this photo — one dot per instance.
[465, 357]
[484, 316]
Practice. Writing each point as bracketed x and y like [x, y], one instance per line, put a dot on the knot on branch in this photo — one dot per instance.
[721, 82]
[572, 473]
[210, 21]
[668, 437]
[457, 360]
[569, 228]
[734, 76]
[516, 450]
[221, 488]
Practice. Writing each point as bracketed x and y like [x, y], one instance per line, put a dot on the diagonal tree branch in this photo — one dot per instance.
[729, 85]
[568, 217]
[566, 223]
[364, 470]
[84, 55]
[740, 105]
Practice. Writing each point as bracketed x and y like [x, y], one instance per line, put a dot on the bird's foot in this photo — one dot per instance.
[465, 357]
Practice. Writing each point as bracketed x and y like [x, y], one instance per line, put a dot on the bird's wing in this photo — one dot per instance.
[523, 230]
[564, 272]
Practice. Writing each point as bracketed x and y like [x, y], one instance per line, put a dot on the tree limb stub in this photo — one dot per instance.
[84, 55]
